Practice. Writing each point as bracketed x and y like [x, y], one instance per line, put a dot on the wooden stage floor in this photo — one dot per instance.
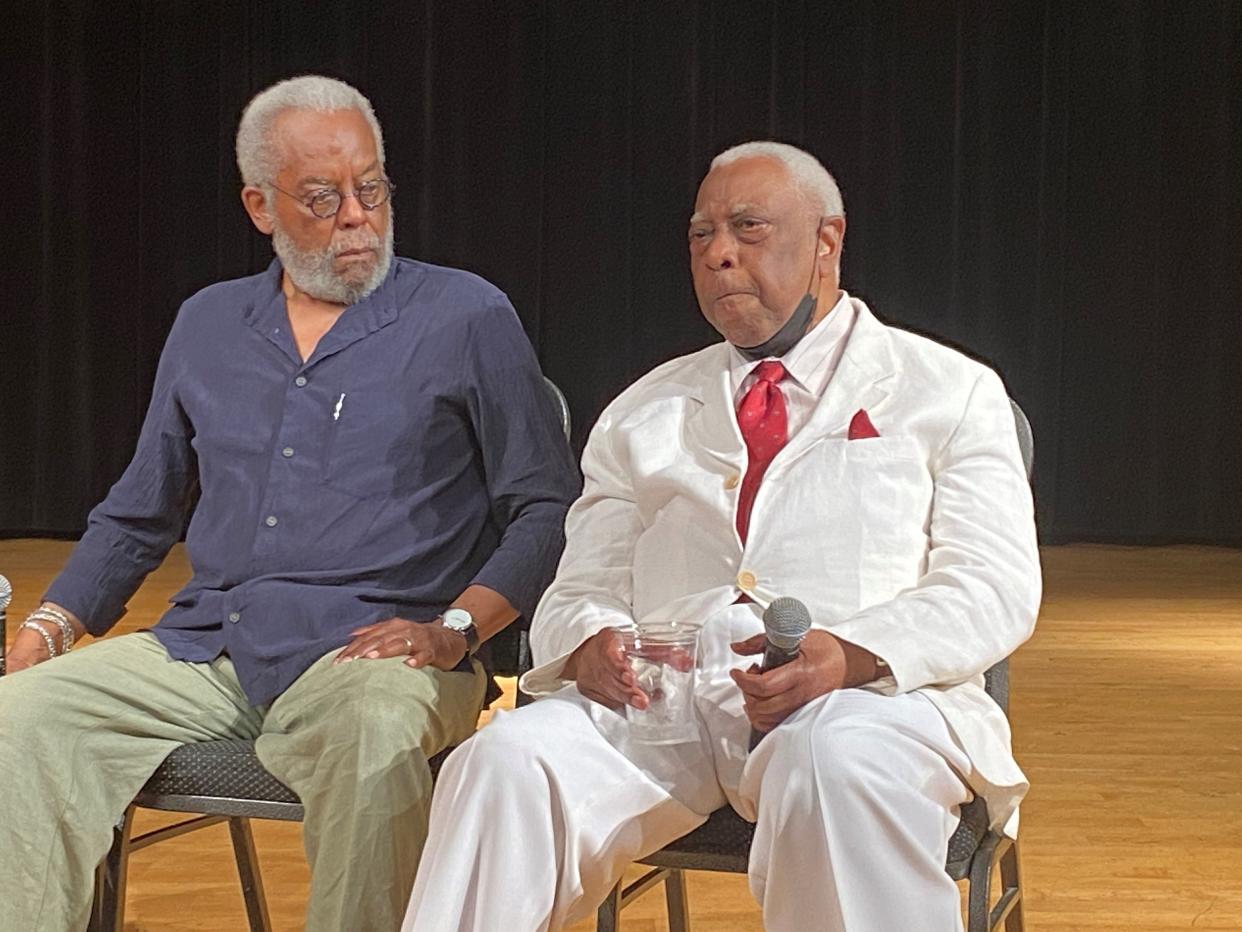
[1127, 717]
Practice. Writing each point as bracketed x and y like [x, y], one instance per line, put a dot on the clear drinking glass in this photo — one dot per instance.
[663, 658]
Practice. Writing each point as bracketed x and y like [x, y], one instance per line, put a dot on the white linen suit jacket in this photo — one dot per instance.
[918, 545]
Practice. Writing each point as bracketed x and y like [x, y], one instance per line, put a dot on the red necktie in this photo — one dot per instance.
[764, 425]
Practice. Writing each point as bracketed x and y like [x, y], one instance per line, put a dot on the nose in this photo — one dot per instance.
[351, 212]
[721, 251]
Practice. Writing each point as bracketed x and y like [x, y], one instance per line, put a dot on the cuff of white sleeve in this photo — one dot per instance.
[545, 679]
[870, 639]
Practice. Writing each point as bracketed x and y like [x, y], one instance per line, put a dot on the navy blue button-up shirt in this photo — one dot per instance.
[415, 453]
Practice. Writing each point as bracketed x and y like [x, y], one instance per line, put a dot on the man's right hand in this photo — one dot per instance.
[30, 648]
[602, 672]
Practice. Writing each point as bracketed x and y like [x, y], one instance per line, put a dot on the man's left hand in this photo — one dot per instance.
[769, 698]
[426, 643]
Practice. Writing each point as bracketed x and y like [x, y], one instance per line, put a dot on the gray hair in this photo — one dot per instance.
[814, 181]
[259, 154]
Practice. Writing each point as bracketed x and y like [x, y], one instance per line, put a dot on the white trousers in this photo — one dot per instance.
[537, 816]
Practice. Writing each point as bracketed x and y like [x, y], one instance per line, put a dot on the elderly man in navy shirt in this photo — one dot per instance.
[383, 487]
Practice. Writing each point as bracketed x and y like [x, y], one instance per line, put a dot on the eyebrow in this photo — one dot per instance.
[315, 179]
[738, 211]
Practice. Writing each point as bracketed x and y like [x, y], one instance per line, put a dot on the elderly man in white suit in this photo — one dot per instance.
[892, 502]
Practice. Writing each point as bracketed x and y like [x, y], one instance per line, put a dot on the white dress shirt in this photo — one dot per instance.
[810, 364]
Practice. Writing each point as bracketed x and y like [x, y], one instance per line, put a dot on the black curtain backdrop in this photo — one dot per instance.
[1052, 186]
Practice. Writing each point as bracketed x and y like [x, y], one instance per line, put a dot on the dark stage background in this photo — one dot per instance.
[1053, 186]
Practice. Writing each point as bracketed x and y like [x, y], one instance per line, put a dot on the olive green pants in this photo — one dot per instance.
[79, 735]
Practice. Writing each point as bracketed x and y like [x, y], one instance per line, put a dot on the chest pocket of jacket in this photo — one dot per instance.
[892, 494]
[366, 443]
[890, 480]
[858, 510]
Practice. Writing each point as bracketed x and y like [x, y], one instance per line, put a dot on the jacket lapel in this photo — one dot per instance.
[863, 380]
[713, 427]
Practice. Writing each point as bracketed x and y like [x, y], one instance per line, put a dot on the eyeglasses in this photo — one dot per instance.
[324, 204]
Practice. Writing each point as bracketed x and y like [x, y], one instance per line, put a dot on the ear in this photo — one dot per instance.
[256, 206]
[828, 250]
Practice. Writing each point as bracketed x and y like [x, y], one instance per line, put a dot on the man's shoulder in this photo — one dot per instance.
[232, 291]
[930, 353]
[232, 299]
[676, 378]
[440, 286]
[927, 360]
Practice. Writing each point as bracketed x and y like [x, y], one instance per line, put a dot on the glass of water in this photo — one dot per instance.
[663, 658]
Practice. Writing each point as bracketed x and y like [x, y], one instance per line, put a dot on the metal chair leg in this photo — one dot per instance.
[677, 901]
[995, 849]
[608, 917]
[108, 908]
[1011, 885]
[248, 872]
[980, 887]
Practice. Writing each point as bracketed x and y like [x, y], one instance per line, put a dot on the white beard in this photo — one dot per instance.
[312, 271]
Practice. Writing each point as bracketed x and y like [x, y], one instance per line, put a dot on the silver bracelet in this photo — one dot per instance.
[35, 626]
[44, 613]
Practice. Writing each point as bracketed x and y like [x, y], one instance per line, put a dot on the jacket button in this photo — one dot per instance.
[746, 580]
[732, 481]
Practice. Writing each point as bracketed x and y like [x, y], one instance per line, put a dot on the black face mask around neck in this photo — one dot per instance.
[793, 330]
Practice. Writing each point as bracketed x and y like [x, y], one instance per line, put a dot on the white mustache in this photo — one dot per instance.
[365, 242]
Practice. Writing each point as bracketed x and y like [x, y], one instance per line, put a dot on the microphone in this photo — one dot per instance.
[6, 595]
[785, 623]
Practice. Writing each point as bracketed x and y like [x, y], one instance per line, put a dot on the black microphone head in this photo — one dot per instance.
[786, 621]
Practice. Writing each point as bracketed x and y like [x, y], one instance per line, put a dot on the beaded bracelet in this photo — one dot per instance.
[45, 613]
[47, 637]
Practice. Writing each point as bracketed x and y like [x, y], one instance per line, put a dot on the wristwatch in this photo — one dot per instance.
[461, 621]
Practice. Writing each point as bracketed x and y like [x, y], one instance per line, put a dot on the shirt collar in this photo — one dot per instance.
[268, 314]
[810, 362]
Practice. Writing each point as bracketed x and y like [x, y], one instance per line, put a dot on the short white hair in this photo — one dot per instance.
[259, 153]
[815, 182]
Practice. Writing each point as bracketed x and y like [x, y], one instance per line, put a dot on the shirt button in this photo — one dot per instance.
[235, 617]
[270, 521]
[300, 381]
[732, 481]
[287, 452]
[746, 580]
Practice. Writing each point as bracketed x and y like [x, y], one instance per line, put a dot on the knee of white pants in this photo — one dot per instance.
[542, 730]
[860, 757]
[504, 745]
[828, 763]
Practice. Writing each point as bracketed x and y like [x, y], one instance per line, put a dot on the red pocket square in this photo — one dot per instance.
[861, 427]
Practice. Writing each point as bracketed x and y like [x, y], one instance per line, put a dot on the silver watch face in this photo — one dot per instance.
[457, 619]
